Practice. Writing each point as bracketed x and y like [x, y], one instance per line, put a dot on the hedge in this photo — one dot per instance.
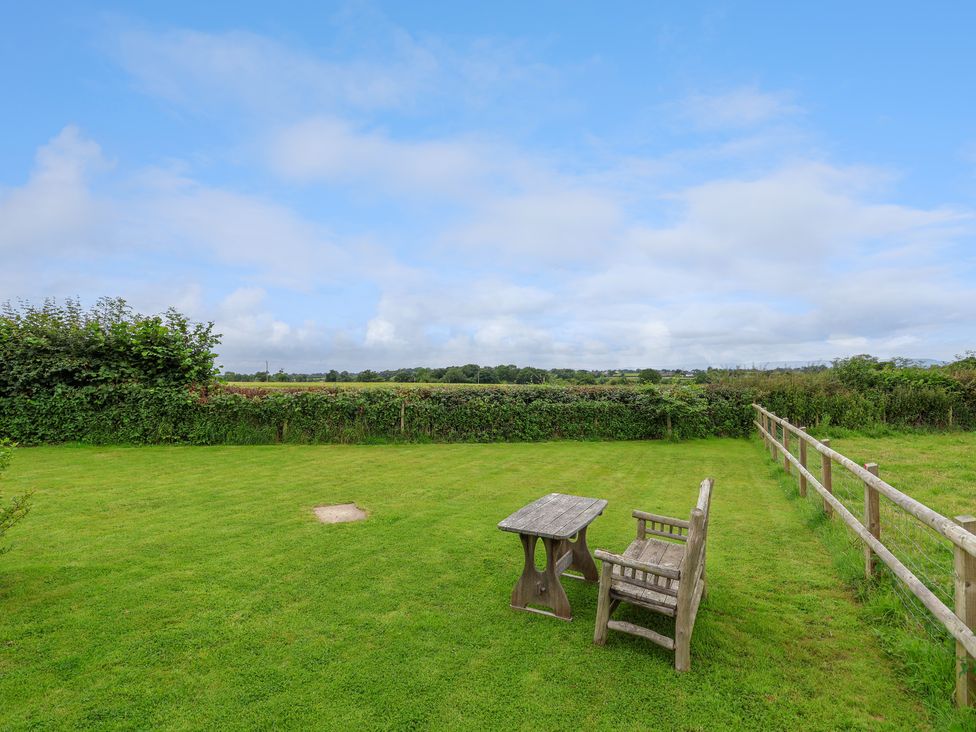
[141, 415]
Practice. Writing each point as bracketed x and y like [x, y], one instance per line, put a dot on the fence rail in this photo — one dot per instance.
[959, 622]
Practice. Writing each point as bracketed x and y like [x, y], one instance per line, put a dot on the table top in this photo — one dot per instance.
[556, 516]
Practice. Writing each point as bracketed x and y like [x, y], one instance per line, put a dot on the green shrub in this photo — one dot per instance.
[15, 511]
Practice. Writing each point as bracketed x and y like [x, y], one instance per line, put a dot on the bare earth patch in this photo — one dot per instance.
[339, 513]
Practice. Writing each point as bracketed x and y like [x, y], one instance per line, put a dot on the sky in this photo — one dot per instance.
[376, 185]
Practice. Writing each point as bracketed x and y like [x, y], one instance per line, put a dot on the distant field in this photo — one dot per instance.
[937, 469]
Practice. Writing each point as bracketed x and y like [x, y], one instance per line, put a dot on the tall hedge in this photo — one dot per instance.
[135, 414]
[138, 415]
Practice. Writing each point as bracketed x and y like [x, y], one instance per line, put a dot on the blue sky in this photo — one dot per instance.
[370, 185]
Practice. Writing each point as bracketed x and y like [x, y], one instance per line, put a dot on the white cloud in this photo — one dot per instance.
[55, 212]
[327, 148]
[739, 108]
[237, 230]
[380, 332]
[365, 64]
[207, 70]
[553, 225]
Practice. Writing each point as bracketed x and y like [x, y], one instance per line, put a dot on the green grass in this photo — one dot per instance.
[938, 470]
[188, 588]
[352, 385]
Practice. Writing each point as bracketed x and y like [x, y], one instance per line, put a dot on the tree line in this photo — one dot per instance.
[476, 374]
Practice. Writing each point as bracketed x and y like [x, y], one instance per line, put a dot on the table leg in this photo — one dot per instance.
[541, 588]
[582, 559]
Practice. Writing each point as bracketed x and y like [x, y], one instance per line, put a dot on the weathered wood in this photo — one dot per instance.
[660, 519]
[872, 521]
[559, 518]
[684, 610]
[666, 534]
[827, 476]
[582, 560]
[624, 627]
[540, 588]
[555, 518]
[563, 563]
[662, 576]
[636, 565]
[603, 606]
[518, 519]
[786, 451]
[965, 587]
[803, 462]
[919, 510]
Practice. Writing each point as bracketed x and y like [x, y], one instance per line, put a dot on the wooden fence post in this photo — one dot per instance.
[872, 521]
[772, 442]
[826, 478]
[803, 462]
[965, 576]
[786, 455]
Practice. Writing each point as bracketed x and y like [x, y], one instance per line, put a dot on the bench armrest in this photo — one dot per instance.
[657, 518]
[647, 567]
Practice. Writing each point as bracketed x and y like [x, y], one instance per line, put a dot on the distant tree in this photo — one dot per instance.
[506, 373]
[333, 375]
[455, 375]
[649, 376]
[487, 375]
[584, 377]
[368, 375]
[859, 372]
[701, 377]
[403, 376]
[471, 372]
[530, 375]
[965, 360]
[280, 376]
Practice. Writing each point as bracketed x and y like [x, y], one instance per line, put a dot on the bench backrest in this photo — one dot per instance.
[698, 531]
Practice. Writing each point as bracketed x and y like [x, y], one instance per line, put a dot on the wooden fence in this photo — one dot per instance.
[777, 433]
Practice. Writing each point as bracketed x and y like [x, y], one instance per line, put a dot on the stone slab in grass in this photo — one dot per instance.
[339, 513]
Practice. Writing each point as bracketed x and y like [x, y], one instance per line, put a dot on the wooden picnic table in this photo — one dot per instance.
[556, 519]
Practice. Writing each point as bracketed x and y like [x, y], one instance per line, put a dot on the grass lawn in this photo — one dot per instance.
[191, 587]
[937, 469]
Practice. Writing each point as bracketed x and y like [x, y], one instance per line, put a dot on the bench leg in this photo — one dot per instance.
[582, 559]
[682, 641]
[541, 588]
[604, 606]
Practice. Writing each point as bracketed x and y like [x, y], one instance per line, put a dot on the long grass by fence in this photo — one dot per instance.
[931, 560]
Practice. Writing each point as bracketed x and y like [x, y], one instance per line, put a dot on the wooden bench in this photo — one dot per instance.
[666, 575]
